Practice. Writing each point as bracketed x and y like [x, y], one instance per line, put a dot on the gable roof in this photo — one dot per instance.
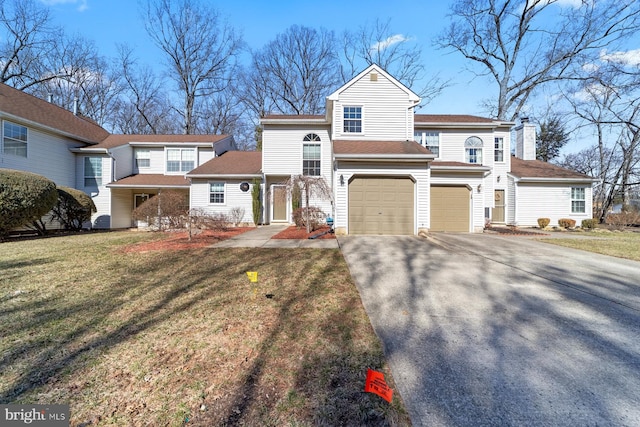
[538, 170]
[117, 140]
[380, 150]
[231, 163]
[36, 112]
[375, 67]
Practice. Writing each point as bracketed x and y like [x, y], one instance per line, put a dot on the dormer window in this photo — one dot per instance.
[352, 119]
[473, 150]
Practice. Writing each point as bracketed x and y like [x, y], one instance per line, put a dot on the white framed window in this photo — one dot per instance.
[429, 140]
[14, 139]
[143, 158]
[92, 171]
[473, 150]
[180, 159]
[311, 155]
[216, 193]
[578, 200]
[352, 119]
[498, 153]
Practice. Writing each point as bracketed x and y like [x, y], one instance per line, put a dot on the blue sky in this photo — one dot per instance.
[109, 22]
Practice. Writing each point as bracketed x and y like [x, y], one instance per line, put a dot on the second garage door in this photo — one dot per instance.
[381, 205]
[450, 208]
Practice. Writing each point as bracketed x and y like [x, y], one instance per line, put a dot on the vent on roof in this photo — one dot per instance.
[373, 77]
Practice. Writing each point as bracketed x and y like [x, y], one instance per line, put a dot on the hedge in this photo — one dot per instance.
[24, 197]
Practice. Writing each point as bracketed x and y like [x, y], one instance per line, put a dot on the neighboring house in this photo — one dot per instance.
[391, 171]
[118, 171]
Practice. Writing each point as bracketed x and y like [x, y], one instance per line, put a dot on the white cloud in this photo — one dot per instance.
[82, 4]
[569, 3]
[389, 41]
[629, 57]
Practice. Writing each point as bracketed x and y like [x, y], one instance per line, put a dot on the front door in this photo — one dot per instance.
[279, 202]
[497, 214]
[139, 199]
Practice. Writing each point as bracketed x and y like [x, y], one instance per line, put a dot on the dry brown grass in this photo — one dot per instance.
[617, 244]
[162, 337]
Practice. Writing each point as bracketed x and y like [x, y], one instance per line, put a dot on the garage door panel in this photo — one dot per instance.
[450, 210]
[381, 205]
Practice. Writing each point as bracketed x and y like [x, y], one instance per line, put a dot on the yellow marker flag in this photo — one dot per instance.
[253, 276]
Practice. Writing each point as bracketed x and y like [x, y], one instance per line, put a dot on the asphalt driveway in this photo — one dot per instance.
[489, 330]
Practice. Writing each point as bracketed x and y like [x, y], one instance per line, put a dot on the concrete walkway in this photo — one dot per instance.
[261, 237]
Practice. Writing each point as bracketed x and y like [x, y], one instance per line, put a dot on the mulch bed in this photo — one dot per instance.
[180, 240]
[294, 232]
[514, 232]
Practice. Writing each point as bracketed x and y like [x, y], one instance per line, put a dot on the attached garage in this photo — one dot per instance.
[450, 208]
[381, 205]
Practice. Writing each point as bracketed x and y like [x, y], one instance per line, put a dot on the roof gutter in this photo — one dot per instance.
[223, 176]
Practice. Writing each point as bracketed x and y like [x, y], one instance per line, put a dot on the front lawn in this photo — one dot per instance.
[617, 244]
[174, 337]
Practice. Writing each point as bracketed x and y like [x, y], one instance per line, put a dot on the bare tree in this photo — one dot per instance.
[201, 50]
[522, 45]
[398, 54]
[293, 73]
[609, 101]
[145, 107]
[27, 42]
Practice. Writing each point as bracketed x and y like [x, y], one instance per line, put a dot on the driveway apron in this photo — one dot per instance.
[491, 330]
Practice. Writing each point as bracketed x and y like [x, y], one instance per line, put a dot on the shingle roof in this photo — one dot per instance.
[295, 116]
[539, 169]
[151, 180]
[450, 118]
[379, 147]
[117, 140]
[232, 163]
[33, 109]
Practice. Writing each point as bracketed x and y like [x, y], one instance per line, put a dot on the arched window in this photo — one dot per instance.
[311, 155]
[473, 150]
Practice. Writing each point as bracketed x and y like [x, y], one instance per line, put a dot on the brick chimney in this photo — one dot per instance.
[526, 140]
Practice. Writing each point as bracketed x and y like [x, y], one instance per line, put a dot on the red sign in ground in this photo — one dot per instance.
[375, 383]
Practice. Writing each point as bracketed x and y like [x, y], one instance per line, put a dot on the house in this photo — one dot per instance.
[390, 169]
[118, 171]
[394, 171]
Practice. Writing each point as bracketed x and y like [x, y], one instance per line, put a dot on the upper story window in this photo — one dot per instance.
[180, 159]
[14, 139]
[473, 150]
[92, 171]
[143, 158]
[311, 155]
[498, 153]
[578, 200]
[429, 140]
[352, 119]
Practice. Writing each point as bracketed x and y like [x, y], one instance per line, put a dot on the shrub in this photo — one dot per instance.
[202, 220]
[543, 222]
[567, 222]
[73, 208]
[24, 198]
[256, 204]
[623, 219]
[315, 215]
[589, 224]
[236, 215]
[167, 209]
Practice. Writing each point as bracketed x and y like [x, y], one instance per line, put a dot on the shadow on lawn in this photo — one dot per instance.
[328, 380]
